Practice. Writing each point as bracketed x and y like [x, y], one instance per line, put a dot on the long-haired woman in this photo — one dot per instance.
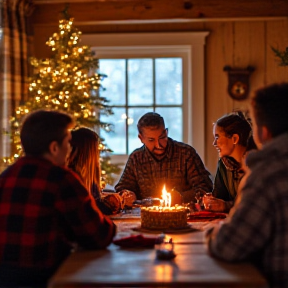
[232, 139]
[84, 159]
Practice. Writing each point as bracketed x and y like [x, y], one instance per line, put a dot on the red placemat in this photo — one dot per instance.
[205, 215]
[136, 241]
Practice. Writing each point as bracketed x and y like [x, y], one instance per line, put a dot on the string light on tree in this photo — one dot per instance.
[67, 81]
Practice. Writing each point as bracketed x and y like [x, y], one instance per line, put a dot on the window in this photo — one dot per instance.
[136, 86]
[128, 52]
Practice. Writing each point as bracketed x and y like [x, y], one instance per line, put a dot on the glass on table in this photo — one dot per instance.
[164, 247]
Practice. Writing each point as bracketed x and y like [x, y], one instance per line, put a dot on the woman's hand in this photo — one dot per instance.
[214, 204]
[128, 198]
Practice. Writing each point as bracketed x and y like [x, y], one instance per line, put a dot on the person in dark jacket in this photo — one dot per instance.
[232, 139]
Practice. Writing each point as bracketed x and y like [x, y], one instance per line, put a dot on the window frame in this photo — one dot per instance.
[187, 45]
[152, 107]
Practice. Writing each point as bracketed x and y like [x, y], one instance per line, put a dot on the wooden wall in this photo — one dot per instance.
[237, 43]
[240, 44]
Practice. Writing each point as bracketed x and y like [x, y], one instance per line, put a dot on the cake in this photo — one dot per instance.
[158, 218]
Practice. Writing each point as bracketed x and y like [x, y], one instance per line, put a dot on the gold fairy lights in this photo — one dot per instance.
[66, 81]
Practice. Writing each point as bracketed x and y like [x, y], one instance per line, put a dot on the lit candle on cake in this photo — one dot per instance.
[164, 216]
[166, 197]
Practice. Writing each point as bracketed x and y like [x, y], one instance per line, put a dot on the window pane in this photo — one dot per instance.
[116, 139]
[138, 92]
[114, 83]
[168, 80]
[135, 114]
[173, 121]
[140, 82]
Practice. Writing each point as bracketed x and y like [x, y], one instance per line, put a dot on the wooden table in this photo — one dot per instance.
[138, 267]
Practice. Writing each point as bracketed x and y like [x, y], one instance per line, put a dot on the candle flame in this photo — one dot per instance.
[166, 197]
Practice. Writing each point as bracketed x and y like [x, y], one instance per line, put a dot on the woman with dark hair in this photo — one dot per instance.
[84, 159]
[232, 139]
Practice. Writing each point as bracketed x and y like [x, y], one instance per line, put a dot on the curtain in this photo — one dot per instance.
[14, 63]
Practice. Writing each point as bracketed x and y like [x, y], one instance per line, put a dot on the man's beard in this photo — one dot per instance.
[162, 151]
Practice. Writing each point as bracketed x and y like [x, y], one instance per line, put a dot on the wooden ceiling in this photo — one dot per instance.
[89, 12]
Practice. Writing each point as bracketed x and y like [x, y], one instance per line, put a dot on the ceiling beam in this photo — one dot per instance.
[129, 11]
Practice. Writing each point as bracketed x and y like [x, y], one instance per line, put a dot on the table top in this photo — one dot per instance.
[139, 267]
[126, 226]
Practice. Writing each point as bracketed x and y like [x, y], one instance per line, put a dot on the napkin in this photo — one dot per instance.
[136, 241]
[205, 215]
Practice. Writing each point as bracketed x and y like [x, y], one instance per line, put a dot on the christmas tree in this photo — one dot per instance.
[68, 81]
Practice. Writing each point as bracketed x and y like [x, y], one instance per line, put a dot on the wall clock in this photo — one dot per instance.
[238, 82]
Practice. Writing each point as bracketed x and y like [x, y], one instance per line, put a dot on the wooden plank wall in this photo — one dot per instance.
[236, 43]
[239, 44]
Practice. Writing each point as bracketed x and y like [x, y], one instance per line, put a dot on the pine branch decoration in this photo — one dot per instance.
[282, 55]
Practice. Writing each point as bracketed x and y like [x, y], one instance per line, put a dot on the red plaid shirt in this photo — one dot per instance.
[44, 211]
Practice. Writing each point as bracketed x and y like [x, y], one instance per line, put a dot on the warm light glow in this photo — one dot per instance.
[164, 272]
[166, 197]
[130, 121]
[63, 82]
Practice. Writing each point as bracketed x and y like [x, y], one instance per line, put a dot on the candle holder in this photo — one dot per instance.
[164, 248]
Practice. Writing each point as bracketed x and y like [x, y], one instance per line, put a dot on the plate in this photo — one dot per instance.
[186, 229]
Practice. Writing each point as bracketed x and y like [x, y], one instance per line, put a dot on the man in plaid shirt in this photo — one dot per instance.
[257, 227]
[45, 210]
[162, 160]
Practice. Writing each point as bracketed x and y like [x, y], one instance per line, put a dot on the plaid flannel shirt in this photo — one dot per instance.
[257, 226]
[181, 169]
[44, 211]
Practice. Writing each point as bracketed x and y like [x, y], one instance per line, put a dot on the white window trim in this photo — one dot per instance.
[189, 46]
